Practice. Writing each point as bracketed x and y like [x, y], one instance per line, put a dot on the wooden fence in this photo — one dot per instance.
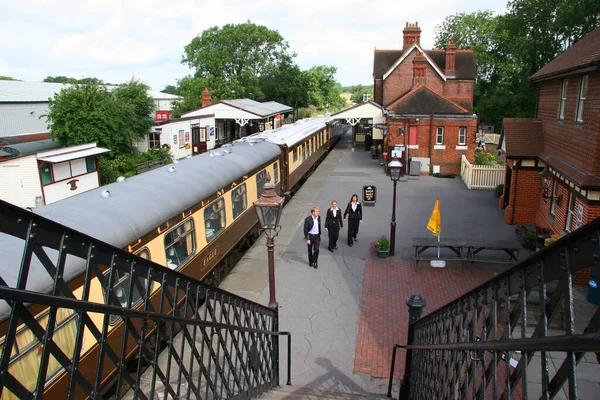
[488, 137]
[481, 176]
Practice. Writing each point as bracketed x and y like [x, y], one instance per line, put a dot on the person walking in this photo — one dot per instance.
[333, 224]
[354, 214]
[312, 234]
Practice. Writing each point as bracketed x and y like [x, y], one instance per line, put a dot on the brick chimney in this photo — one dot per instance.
[412, 34]
[419, 67]
[206, 97]
[450, 59]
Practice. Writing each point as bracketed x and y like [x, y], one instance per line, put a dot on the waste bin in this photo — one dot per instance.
[593, 287]
[415, 168]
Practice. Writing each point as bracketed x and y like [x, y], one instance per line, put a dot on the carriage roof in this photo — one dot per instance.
[290, 134]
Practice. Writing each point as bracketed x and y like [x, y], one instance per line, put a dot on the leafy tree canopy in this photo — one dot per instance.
[8, 78]
[357, 92]
[65, 79]
[115, 118]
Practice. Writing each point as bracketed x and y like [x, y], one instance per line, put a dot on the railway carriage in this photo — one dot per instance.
[190, 216]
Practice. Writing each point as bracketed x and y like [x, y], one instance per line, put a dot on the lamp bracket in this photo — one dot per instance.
[270, 233]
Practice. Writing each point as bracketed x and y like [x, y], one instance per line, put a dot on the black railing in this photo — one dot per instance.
[68, 330]
[487, 343]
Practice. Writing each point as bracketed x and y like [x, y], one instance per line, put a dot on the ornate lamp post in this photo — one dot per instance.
[394, 168]
[269, 207]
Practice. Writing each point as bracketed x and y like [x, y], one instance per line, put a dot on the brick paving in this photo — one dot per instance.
[387, 284]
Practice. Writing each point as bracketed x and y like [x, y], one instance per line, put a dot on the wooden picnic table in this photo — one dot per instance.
[510, 247]
[458, 246]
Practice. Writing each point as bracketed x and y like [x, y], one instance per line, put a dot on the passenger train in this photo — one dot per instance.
[191, 216]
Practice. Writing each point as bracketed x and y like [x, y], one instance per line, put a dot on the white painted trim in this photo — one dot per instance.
[413, 146]
[462, 147]
[439, 147]
[406, 53]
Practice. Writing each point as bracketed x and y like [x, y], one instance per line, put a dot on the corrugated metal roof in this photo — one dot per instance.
[25, 149]
[73, 155]
[18, 91]
[264, 110]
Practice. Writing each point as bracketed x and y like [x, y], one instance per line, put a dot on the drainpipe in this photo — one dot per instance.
[430, 143]
[512, 222]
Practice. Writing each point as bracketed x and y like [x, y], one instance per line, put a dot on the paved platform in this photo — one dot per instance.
[346, 316]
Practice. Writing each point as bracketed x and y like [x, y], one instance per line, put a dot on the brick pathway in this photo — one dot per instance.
[387, 284]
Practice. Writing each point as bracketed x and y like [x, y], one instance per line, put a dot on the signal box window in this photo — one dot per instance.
[239, 200]
[180, 243]
[214, 218]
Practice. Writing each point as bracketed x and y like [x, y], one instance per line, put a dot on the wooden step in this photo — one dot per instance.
[308, 393]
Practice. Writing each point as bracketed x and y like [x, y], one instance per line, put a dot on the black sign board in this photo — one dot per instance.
[369, 195]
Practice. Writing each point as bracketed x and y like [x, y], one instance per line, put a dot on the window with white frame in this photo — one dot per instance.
[462, 135]
[581, 98]
[154, 140]
[563, 100]
[439, 137]
[181, 136]
[554, 199]
[570, 212]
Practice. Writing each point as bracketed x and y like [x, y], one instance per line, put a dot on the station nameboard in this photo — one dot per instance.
[369, 195]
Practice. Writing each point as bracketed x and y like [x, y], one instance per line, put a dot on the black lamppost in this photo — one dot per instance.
[269, 207]
[394, 168]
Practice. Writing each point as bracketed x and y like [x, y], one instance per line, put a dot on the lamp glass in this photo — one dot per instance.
[268, 215]
[394, 167]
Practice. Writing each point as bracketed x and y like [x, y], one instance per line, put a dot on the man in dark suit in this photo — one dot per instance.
[312, 234]
[333, 224]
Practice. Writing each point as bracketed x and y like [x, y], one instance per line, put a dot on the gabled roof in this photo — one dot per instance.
[584, 53]
[372, 109]
[522, 137]
[260, 110]
[403, 57]
[423, 100]
[383, 60]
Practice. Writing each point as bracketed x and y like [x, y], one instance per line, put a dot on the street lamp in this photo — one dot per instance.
[394, 168]
[268, 208]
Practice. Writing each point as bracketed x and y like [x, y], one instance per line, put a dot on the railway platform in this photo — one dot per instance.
[346, 316]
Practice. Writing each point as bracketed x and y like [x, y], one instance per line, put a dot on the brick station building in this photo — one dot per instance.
[428, 96]
[562, 143]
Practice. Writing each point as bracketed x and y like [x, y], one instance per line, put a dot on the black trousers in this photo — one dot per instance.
[352, 229]
[334, 233]
[313, 248]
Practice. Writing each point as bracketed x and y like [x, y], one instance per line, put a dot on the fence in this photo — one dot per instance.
[481, 176]
[488, 137]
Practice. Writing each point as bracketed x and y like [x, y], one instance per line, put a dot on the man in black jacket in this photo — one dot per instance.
[333, 224]
[312, 234]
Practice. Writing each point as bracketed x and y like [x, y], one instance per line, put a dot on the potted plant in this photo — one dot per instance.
[381, 247]
[527, 236]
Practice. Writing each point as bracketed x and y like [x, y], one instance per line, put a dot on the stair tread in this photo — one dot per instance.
[292, 392]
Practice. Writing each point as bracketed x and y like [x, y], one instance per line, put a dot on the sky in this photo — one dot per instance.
[116, 40]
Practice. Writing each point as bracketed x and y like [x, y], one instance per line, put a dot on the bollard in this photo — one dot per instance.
[415, 309]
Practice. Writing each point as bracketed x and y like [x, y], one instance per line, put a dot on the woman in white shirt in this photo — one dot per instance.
[354, 214]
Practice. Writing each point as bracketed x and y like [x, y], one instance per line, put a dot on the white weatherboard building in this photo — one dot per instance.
[24, 104]
[37, 173]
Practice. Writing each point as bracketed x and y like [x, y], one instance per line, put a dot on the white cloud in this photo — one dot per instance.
[117, 39]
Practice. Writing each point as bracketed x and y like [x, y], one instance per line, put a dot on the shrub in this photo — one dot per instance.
[528, 236]
[485, 158]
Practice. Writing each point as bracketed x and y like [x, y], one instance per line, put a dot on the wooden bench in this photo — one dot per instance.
[457, 246]
[148, 165]
[510, 247]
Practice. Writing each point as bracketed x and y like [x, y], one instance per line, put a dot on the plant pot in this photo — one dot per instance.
[382, 253]
[527, 244]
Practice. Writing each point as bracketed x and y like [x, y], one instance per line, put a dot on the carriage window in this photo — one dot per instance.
[180, 243]
[261, 179]
[239, 200]
[25, 357]
[295, 154]
[214, 218]
[275, 174]
[121, 289]
[303, 151]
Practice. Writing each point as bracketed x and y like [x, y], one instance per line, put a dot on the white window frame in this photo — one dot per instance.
[570, 212]
[583, 83]
[439, 134]
[462, 133]
[554, 199]
[181, 137]
[563, 99]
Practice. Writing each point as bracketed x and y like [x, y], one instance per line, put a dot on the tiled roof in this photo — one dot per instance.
[464, 62]
[582, 179]
[423, 100]
[523, 137]
[584, 53]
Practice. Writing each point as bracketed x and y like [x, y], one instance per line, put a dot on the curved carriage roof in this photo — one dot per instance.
[291, 134]
[137, 205]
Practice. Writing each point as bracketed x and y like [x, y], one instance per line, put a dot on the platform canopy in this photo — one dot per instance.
[369, 113]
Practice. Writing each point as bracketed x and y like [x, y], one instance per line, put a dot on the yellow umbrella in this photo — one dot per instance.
[435, 221]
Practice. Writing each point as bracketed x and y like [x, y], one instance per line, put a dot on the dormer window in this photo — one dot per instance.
[581, 98]
[563, 100]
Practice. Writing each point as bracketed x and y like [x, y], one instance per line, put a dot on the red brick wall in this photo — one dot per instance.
[577, 145]
[524, 197]
[448, 159]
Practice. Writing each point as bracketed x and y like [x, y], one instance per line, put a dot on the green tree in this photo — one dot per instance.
[171, 89]
[358, 92]
[115, 119]
[233, 58]
[322, 88]
[190, 88]
[8, 78]
[285, 84]
[66, 79]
